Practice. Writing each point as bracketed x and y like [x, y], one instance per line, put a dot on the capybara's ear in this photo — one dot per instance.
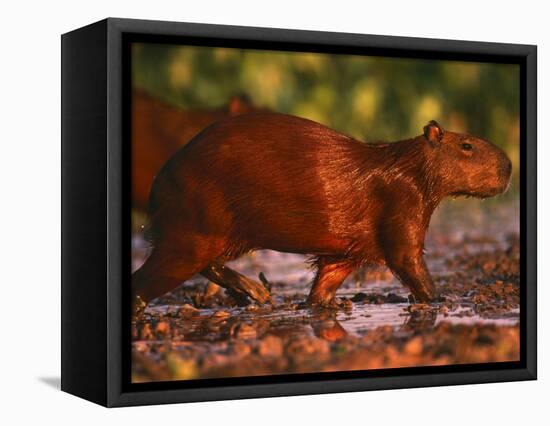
[239, 104]
[433, 132]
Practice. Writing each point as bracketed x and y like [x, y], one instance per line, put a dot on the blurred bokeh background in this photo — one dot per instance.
[369, 98]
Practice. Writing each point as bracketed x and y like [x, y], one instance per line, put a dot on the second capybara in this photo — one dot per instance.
[160, 129]
[275, 181]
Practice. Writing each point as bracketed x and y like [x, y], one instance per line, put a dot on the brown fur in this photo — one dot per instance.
[160, 129]
[274, 181]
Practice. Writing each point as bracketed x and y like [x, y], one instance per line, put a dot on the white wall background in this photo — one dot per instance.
[30, 211]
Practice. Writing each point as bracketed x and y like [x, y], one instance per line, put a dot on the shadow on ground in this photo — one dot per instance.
[54, 382]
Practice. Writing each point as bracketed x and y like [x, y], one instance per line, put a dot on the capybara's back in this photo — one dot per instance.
[160, 129]
[261, 181]
[274, 181]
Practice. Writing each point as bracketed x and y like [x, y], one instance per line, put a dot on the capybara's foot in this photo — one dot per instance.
[330, 275]
[328, 302]
[239, 285]
[413, 273]
[423, 294]
[240, 299]
[255, 290]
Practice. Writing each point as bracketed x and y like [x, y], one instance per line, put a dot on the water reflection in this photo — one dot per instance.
[196, 332]
[328, 327]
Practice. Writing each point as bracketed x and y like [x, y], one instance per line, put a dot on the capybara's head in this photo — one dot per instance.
[467, 165]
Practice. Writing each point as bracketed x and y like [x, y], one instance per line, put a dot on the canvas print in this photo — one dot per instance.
[298, 212]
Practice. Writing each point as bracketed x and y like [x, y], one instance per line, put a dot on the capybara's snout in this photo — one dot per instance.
[505, 173]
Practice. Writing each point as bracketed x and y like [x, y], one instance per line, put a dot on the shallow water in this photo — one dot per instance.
[472, 253]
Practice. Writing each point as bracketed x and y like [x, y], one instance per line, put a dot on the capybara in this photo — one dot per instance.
[274, 181]
[160, 129]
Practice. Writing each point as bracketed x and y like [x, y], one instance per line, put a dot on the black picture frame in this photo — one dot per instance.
[95, 212]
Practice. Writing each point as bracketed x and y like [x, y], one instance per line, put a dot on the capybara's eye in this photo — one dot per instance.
[466, 147]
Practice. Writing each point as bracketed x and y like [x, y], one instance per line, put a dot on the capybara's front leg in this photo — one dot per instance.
[403, 248]
[330, 275]
[238, 285]
[413, 273]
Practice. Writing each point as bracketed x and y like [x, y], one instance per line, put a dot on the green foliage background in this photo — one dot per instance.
[369, 98]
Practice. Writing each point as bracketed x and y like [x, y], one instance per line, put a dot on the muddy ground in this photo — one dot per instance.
[198, 331]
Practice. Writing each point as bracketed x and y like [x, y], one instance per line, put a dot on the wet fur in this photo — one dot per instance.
[160, 129]
[274, 181]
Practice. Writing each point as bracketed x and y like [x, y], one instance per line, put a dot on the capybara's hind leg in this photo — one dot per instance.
[166, 268]
[238, 285]
[330, 275]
